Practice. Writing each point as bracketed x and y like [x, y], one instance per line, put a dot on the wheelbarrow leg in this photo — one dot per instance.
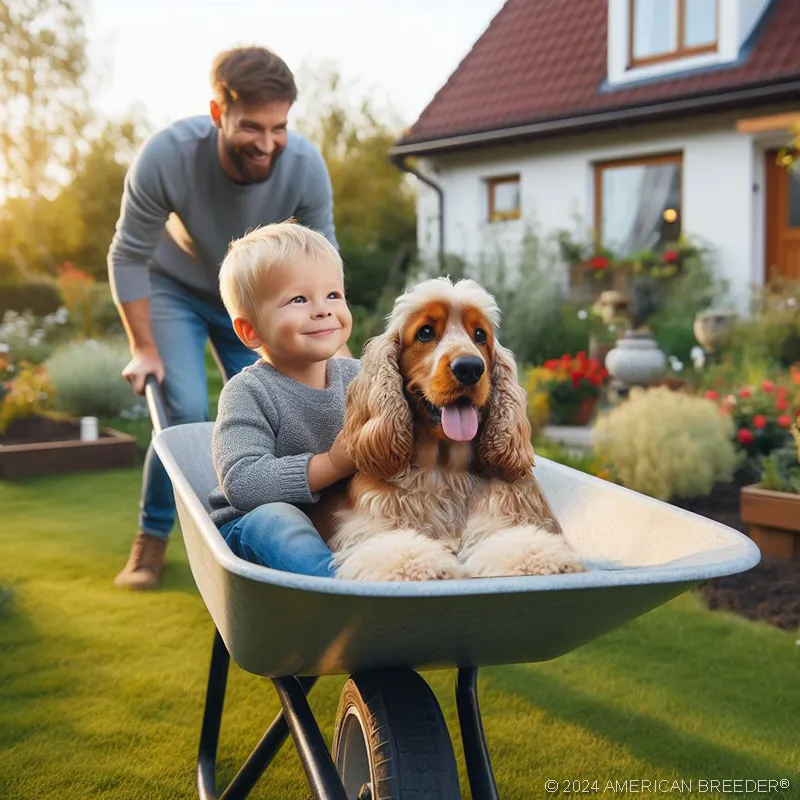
[321, 774]
[263, 753]
[476, 753]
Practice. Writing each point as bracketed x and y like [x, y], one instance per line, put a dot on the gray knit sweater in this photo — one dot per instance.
[268, 427]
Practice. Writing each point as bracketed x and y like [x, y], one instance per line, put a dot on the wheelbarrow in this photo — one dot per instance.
[390, 740]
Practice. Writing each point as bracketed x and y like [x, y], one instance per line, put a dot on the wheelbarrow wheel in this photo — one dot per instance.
[391, 741]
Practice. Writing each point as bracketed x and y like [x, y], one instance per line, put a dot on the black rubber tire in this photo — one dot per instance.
[407, 742]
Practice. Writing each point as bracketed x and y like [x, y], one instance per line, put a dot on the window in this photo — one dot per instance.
[638, 203]
[662, 30]
[503, 198]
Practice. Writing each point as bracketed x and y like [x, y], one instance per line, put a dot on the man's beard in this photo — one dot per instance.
[247, 170]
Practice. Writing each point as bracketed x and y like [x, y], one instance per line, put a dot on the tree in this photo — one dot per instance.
[43, 92]
[374, 203]
[96, 189]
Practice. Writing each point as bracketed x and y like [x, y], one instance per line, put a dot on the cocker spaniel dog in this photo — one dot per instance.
[436, 425]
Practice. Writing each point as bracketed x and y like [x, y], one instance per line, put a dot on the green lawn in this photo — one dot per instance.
[101, 690]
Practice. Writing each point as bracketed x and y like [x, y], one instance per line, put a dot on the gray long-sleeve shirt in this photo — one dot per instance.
[180, 210]
[267, 429]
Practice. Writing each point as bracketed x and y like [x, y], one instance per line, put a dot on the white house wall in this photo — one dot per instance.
[722, 192]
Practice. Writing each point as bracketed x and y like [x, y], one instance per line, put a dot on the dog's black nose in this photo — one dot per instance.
[468, 369]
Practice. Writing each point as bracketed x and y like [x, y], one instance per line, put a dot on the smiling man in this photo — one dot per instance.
[195, 187]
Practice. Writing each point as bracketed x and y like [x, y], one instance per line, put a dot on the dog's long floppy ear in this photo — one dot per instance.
[378, 432]
[505, 444]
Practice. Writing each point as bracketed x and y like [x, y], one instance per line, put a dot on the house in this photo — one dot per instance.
[643, 117]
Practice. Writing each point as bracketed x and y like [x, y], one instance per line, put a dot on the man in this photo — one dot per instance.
[195, 187]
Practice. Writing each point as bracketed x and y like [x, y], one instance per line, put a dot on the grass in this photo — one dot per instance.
[101, 690]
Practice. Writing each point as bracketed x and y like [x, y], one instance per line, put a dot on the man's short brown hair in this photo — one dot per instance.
[251, 75]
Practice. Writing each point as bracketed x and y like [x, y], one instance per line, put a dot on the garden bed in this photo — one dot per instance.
[43, 446]
[770, 592]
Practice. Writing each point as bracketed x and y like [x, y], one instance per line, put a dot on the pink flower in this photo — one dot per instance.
[782, 404]
[760, 422]
[745, 436]
[785, 421]
[745, 393]
[768, 387]
[712, 395]
[671, 256]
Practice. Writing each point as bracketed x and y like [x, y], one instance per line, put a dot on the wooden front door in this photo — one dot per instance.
[783, 220]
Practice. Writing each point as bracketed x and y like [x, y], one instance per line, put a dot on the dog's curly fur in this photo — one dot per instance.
[423, 506]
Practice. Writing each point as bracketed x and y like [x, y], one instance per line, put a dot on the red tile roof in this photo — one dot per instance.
[546, 60]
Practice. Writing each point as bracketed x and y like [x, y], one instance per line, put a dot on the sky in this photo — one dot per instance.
[157, 53]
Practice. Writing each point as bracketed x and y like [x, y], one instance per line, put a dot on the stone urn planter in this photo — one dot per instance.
[44, 446]
[636, 360]
[713, 329]
[774, 520]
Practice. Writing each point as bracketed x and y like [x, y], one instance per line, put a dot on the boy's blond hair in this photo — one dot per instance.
[249, 260]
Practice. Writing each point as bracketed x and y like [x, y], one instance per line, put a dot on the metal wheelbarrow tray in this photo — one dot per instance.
[293, 628]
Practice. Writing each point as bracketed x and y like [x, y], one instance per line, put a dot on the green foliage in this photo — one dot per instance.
[87, 379]
[29, 394]
[781, 470]
[374, 202]
[666, 444]
[40, 297]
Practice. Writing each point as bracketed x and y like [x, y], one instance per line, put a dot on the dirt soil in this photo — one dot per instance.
[770, 592]
[41, 429]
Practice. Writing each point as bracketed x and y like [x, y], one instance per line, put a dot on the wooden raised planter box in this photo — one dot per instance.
[774, 520]
[59, 449]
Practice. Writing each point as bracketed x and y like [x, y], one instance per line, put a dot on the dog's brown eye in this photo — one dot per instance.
[425, 333]
[480, 336]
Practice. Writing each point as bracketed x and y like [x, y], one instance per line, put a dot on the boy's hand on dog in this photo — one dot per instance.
[342, 463]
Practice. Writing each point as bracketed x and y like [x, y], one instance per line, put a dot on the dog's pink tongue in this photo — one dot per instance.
[460, 423]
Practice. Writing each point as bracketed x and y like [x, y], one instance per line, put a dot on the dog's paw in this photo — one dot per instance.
[526, 550]
[404, 555]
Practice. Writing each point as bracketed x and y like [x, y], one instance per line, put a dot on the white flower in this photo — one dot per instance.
[675, 363]
[698, 357]
[583, 314]
[4, 348]
[791, 302]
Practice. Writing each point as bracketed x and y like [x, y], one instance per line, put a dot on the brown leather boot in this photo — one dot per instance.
[143, 570]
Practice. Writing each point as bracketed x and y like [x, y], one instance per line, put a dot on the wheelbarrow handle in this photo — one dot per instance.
[155, 403]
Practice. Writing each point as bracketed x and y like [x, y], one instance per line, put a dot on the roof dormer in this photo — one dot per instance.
[650, 39]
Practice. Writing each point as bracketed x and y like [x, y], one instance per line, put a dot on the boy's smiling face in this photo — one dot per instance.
[303, 318]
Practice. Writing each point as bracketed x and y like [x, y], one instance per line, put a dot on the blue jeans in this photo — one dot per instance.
[281, 536]
[182, 324]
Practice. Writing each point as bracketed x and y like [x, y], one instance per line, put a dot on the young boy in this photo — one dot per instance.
[277, 439]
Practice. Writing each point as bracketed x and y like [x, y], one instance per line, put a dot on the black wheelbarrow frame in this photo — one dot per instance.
[651, 553]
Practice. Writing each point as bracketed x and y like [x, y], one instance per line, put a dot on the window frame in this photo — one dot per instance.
[681, 50]
[502, 216]
[673, 157]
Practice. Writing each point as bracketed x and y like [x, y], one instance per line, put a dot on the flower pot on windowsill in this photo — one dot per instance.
[44, 446]
[774, 520]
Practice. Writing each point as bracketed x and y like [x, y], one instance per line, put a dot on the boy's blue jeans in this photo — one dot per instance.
[182, 323]
[281, 536]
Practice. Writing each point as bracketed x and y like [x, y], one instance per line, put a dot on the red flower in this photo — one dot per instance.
[745, 436]
[760, 422]
[671, 256]
[745, 393]
[768, 387]
[782, 404]
[712, 395]
[785, 421]
[598, 262]
[576, 377]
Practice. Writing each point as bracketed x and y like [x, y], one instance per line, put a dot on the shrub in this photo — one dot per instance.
[25, 337]
[666, 444]
[37, 297]
[87, 380]
[781, 470]
[761, 414]
[29, 394]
